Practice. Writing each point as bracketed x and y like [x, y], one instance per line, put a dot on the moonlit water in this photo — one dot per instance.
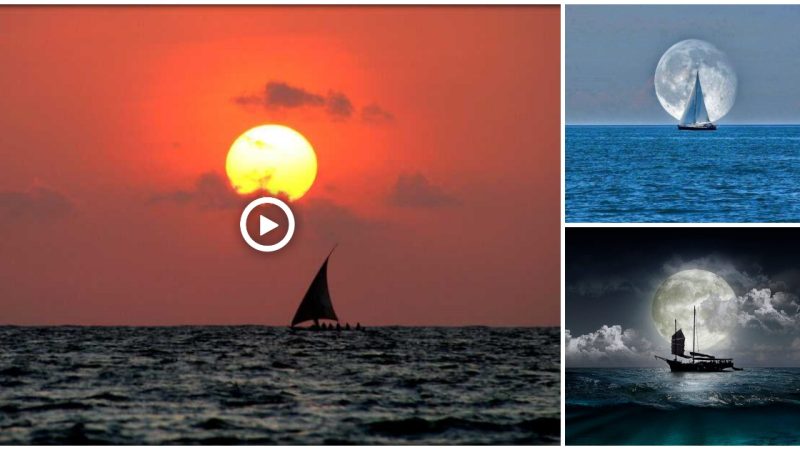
[756, 406]
[264, 385]
[661, 174]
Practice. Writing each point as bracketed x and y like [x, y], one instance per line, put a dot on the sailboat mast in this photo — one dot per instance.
[694, 328]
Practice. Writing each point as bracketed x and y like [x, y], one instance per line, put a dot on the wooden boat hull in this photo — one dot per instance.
[698, 365]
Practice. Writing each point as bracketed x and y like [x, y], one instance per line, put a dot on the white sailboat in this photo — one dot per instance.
[695, 117]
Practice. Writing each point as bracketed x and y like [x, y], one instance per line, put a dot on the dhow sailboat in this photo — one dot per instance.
[695, 117]
[317, 305]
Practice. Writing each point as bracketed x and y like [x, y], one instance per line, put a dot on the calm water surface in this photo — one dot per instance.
[263, 385]
[661, 174]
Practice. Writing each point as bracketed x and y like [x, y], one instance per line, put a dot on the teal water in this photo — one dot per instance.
[756, 406]
[661, 174]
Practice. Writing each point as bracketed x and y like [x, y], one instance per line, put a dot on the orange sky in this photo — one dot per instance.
[441, 184]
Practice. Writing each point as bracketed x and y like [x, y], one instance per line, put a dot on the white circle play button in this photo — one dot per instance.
[266, 225]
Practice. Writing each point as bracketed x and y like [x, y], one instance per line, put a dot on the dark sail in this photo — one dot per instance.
[317, 302]
[678, 343]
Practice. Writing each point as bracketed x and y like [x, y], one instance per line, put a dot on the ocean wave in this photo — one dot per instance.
[661, 389]
[417, 426]
[264, 385]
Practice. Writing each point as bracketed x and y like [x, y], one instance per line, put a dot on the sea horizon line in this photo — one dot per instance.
[666, 368]
[264, 326]
[675, 124]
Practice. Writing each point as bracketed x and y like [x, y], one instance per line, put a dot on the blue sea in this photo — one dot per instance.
[661, 174]
[655, 406]
[268, 385]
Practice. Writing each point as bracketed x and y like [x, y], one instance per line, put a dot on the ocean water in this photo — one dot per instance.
[661, 174]
[267, 385]
[655, 406]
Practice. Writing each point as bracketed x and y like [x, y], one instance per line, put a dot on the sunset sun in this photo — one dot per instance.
[272, 158]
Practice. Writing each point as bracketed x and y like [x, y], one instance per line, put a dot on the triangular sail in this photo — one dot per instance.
[317, 302]
[696, 107]
[691, 106]
[701, 116]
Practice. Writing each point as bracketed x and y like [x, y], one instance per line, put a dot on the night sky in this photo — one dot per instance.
[612, 274]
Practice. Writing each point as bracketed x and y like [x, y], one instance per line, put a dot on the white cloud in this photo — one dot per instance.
[773, 312]
[608, 346]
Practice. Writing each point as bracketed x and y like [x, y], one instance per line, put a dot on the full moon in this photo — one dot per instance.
[675, 73]
[272, 158]
[677, 295]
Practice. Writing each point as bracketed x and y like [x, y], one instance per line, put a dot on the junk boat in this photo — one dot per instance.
[694, 361]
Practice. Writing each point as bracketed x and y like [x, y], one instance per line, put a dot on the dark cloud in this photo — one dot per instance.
[338, 106]
[282, 95]
[211, 191]
[414, 190]
[331, 220]
[39, 205]
[376, 115]
[600, 287]
[325, 218]
[249, 100]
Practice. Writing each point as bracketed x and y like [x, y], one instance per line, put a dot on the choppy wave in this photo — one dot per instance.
[656, 406]
[262, 385]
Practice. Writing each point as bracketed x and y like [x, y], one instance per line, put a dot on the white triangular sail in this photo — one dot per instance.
[701, 116]
[695, 112]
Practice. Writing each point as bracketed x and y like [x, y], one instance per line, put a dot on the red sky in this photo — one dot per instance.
[441, 183]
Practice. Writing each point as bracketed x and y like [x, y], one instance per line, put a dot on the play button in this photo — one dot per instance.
[267, 225]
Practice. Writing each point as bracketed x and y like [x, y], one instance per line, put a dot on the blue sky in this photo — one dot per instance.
[612, 53]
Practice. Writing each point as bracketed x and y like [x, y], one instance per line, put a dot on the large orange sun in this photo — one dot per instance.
[272, 158]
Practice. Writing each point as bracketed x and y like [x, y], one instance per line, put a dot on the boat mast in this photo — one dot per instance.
[694, 329]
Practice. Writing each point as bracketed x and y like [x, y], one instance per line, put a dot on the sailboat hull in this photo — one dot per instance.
[703, 127]
[319, 329]
[715, 365]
